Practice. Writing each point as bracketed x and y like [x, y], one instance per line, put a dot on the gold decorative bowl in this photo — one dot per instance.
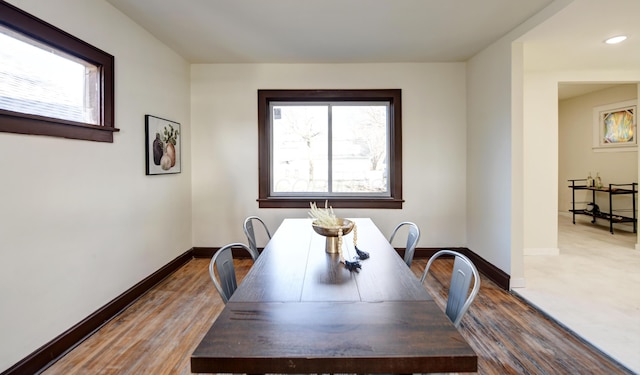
[332, 233]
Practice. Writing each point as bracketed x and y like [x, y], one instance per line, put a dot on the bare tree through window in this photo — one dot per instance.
[338, 145]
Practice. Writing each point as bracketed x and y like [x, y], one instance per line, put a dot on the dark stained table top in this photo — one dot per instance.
[299, 310]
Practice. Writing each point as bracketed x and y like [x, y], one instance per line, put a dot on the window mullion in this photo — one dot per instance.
[330, 150]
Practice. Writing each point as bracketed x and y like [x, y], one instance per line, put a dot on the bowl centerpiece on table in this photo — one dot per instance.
[326, 224]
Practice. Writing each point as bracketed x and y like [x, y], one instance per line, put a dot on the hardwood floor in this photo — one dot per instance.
[158, 333]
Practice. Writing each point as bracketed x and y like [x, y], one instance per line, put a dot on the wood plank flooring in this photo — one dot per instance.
[158, 333]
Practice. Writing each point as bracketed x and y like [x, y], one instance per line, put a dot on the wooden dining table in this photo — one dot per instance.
[299, 310]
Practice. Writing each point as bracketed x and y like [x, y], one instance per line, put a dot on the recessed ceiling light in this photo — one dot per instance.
[616, 39]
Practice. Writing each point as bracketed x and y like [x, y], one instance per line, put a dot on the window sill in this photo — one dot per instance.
[335, 202]
[13, 122]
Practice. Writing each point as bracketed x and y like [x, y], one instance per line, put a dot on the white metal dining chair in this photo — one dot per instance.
[222, 265]
[249, 231]
[413, 236]
[459, 298]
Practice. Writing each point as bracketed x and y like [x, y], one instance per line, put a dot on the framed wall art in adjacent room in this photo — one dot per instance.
[162, 146]
[614, 127]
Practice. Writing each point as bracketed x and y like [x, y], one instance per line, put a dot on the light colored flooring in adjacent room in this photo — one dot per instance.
[592, 287]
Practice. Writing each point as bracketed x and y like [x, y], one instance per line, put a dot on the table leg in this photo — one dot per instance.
[593, 200]
[610, 211]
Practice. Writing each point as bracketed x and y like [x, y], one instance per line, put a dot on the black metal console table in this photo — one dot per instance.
[613, 189]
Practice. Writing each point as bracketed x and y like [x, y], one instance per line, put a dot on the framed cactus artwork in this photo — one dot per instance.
[162, 146]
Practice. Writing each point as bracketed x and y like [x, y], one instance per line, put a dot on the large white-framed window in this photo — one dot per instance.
[341, 146]
[52, 83]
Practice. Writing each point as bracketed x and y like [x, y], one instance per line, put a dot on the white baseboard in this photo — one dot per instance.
[541, 251]
[517, 282]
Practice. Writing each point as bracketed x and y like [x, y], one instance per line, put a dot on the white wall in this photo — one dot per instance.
[540, 151]
[81, 222]
[496, 163]
[576, 156]
[225, 144]
[489, 155]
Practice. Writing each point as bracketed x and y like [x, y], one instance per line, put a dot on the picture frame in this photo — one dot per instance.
[614, 127]
[162, 146]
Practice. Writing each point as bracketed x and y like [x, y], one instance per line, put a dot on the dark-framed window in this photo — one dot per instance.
[340, 146]
[70, 96]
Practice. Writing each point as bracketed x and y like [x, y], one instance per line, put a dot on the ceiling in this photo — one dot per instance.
[385, 31]
[571, 90]
[328, 31]
[574, 37]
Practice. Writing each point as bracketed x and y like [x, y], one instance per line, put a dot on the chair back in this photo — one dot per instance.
[413, 236]
[222, 264]
[459, 298]
[248, 226]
